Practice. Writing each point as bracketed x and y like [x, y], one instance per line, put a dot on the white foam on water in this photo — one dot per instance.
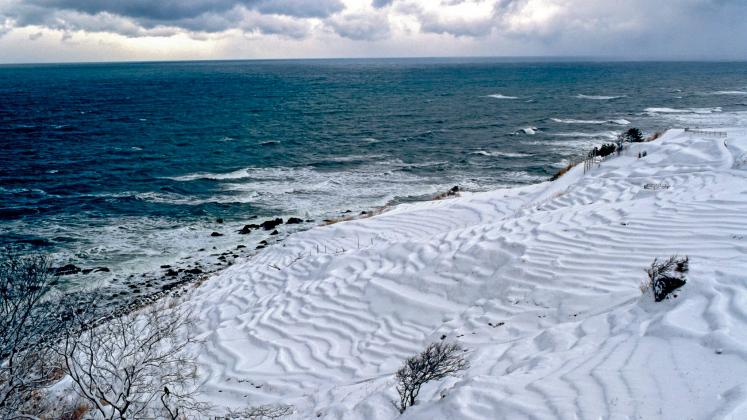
[665, 110]
[599, 97]
[497, 153]
[530, 131]
[619, 121]
[729, 92]
[237, 174]
[499, 96]
[597, 135]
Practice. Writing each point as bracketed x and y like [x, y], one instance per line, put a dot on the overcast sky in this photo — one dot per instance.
[112, 30]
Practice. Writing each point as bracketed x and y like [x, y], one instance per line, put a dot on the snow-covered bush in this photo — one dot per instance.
[28, 317]
[666, 276]
[261, 412]
[437, 361]
[135, 366]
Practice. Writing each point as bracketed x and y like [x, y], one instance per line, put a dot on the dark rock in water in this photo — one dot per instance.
[454, 190]
[271, 224]
[293, 221]
[253, 217]
[259, 247]
[193, 271]
[66, 270]
[247, 229]
[201, 249]
[171, 273]
[101, 270]
[309, 220]
[39, 242]
[165, 266]
[274, 232]
[364, 212]
[240, 246]
[216, 234]
[86, 270]
[219, 220]
[347, 211]
[263, 242]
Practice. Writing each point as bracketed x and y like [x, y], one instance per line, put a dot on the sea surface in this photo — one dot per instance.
[129, 166]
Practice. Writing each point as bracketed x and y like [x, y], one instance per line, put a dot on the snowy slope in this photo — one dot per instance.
[540, 284]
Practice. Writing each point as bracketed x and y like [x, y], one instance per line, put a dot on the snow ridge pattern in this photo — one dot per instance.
[540, 284]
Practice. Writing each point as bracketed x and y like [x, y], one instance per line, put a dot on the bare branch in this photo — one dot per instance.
[436, 362]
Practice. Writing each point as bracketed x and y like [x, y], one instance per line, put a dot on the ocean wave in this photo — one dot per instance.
[238, 174]
[530, 131]
[597, 135]
[522, 177]
[598, 97]
[729, 92]
[500, 154]
[499, 96]
[620, 121]
[682, 110]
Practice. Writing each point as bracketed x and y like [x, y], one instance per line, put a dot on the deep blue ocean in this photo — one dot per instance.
[129, 165]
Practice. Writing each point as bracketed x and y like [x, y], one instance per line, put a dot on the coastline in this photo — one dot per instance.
[540, 283]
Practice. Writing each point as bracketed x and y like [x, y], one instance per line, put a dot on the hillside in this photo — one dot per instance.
[541, 285]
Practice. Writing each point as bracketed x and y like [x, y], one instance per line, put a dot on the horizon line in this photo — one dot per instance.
[507, 58]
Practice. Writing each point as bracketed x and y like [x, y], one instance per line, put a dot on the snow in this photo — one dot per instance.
[539, 283]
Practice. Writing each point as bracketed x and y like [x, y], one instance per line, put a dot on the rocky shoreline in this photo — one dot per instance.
[123, 295]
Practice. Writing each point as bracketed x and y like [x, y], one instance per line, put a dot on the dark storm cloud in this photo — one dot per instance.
[378, 4]
[140, 17]
[175, 10]
[699, 28]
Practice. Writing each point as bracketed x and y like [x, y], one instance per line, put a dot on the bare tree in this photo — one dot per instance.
[135, 365]
[437, 361]
[29, 315]
[261, 412]
[666, 276]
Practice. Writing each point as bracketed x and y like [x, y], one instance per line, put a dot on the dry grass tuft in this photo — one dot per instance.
[563, 171]
[655, 136]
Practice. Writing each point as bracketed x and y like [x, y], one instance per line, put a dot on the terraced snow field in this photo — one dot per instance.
[540, 284]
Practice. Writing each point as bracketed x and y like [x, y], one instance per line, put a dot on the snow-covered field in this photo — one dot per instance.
[540, 284]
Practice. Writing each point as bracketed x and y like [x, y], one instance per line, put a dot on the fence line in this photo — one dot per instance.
[706, 132]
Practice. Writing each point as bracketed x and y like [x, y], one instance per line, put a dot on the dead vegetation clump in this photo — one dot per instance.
[655, 136]
[349, 216]
[452, 192]
[666, 276]
[437, 361]
[563, 171]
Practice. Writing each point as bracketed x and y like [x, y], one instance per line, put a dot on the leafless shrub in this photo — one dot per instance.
[29, 314]
[437, 361]
[666, 276]
[262, 412]
[135, 365]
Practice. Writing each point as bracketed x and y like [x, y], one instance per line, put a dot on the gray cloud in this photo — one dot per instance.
[134, 18]
[378, 4]
[298, 8]
[361, 27]
[701, 28]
